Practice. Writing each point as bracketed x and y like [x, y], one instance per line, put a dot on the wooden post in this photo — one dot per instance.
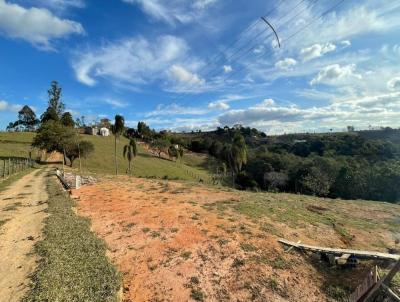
[4, 168]
[384, 281]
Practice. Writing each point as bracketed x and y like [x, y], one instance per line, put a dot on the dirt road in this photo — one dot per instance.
[22, 211]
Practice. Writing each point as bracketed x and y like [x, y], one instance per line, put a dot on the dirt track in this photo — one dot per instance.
[22, 209]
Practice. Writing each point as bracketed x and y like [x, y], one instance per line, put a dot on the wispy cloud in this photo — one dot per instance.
[176, 11]
[6, 106]
[135, 61]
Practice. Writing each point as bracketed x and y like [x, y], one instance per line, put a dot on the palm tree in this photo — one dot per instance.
[117, 130]
[130, 151]
[235, 155]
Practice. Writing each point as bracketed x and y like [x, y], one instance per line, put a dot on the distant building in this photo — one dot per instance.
[105, 123]
[91, 130]
[104, 131]
[299, 141]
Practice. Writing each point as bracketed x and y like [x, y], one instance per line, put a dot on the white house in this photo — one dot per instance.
[104, 132]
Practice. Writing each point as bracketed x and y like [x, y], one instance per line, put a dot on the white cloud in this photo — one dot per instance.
[174, 11]
[379, 110]
[333, 73]
[184, 76]
[35, 25]
[116, 103]
[175, 109]
[394, 84]
[5, 106]
[345, 43]
[228, 68]
[286, 64]
[316, 51]
[219, 105]
[133, 61]
[55, 5]
[203, 4]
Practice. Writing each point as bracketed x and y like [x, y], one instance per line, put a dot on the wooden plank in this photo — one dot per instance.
[391, 293]
[365, 287]
[384, 281]
[338, 252]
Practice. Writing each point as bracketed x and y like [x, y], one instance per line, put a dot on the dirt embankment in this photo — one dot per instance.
[22, 211]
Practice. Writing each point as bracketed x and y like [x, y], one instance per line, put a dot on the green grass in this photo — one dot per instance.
[101, 161]
[294, 210]
[15, 144]
[144, 165]
[73, 265]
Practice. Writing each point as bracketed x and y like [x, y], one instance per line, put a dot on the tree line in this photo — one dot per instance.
[357, 165]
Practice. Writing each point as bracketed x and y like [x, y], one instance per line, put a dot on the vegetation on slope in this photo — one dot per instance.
[73, 265]
[101, 160]
[355, 165]
[144, 164]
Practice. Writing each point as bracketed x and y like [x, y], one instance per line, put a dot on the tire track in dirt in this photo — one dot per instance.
[22, 211]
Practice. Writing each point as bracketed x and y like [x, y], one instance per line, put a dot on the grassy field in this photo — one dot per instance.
[192, 167]
[15, 144]
[73, 265]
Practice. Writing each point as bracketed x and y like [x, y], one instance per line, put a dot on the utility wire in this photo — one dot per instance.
[213, 71]
[292, 35]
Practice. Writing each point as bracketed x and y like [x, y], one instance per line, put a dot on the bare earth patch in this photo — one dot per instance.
[185, 242]
[22, 211]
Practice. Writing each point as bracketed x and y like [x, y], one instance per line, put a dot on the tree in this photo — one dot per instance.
[143, 130]
[55, 98]
[55, 105]
[76, 149]
[27, 118]
[53, 136]
[173, 152]
[67, 120]
[235, 155]
[49, 115]
[160, 146]
[117, 129]
[130, 152]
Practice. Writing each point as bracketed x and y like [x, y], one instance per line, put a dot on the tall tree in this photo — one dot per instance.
[130, 152]
[27, 118]
[55, 105]
[67, 120]
[55, 98]
[117, 130]
[235, 155]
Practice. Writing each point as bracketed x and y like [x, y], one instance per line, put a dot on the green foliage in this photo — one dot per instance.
[117, 129]
[67, 120]
[74, 149]
[130, 152]
[27, 119]
[55, 105]
[160, 145]
[53, 136]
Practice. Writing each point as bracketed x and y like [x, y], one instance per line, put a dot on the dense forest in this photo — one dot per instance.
[352, 165]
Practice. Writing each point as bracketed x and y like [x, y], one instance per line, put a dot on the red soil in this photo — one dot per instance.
[170, 246]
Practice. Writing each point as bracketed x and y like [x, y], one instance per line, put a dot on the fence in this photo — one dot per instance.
[12, 165]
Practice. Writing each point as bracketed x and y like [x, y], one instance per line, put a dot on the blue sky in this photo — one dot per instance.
[199, 64]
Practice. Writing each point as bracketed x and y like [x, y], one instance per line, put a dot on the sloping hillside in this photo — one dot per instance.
[184, 242]
[192, 167]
